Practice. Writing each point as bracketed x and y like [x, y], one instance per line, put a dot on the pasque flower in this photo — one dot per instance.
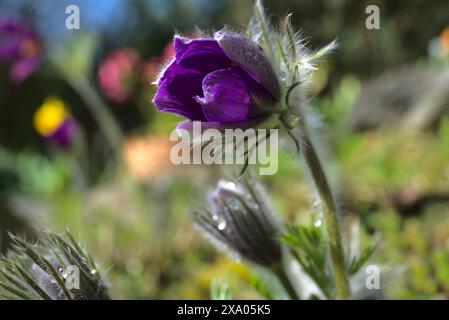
[20, 45]
[240, 220]
[232, 80]
[44, 271]
[224, 80]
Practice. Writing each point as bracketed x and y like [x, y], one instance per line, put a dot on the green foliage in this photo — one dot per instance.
[75, 58]
[355, 263]
[440, 261]
[262, 287]
[308, 247]
[36, 174]
[220, 290]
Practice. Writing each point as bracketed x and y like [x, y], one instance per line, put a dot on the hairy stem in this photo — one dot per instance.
[330, 216]
[100, 112]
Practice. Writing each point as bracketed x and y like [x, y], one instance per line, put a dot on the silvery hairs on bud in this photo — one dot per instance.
[240, 220]
[40, 271]
[250, 56]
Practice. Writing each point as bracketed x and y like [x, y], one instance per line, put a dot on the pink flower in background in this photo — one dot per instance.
[120, 71]
[169, 52]
[21, 46]
[117, 72]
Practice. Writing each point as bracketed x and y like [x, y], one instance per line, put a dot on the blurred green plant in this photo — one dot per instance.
[220, 290]
[74, 61]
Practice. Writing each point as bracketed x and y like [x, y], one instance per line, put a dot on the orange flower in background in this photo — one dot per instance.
[444, 40]
[147, 157]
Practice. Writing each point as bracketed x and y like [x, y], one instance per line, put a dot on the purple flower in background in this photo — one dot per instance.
[20, 45]
[54, 123]
[64, 134]
[221, 81]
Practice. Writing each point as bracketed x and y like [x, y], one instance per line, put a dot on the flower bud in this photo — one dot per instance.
[241, 221]
[53, 269]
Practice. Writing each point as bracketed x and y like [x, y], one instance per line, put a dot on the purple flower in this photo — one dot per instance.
[64, 134]
[20, 45]
[222, 81]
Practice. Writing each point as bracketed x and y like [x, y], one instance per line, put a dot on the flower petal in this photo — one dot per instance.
[228, 96]
[176, 92]
[203, 55]
[251, 57]
[63, 135]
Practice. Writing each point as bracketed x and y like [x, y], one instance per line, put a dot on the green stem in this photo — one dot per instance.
[100, 112]
[331, 222]
[285, 281]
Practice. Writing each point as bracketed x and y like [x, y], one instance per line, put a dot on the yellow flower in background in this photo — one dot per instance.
[50, 116]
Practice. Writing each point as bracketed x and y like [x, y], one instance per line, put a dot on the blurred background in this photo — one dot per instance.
[82, 147]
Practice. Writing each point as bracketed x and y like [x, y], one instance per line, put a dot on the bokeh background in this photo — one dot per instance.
[82, 147]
